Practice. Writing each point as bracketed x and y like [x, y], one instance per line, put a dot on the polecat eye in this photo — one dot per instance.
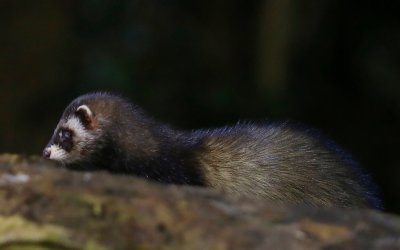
[65, 135]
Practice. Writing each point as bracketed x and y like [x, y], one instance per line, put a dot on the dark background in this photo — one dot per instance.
[330, 64]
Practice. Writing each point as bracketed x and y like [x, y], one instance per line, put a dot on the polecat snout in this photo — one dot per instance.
[273, 161]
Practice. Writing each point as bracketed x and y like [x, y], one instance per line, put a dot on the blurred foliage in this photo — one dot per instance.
[331, 64]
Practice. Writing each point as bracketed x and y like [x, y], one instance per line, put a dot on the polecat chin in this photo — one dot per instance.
[276, 162]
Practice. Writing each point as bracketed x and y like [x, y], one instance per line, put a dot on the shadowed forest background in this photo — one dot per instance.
[334, 65]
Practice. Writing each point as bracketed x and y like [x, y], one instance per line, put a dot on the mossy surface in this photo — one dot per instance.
[45, 206]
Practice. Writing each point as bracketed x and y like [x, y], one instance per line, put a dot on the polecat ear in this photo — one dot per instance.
[85, 115]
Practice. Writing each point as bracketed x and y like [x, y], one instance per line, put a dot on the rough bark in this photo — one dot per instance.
[43, 206]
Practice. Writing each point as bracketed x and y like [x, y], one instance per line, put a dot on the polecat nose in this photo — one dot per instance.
[46, 153]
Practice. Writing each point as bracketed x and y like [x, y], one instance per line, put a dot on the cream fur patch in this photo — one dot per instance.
[57, 153]
[82, 136]
[86, 108]
[76, 126]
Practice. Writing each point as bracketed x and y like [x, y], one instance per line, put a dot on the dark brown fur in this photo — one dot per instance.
[276, 162]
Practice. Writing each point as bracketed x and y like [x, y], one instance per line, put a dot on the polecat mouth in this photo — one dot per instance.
[55, 152]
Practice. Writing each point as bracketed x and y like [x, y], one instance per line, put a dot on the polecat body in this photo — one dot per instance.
[275, 161]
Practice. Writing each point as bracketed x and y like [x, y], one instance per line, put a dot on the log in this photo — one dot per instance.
[45, 206]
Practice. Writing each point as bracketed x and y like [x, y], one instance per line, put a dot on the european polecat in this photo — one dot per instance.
[277, 162]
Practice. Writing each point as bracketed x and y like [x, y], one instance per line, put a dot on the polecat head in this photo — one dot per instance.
[95, 123]
[76, 134]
